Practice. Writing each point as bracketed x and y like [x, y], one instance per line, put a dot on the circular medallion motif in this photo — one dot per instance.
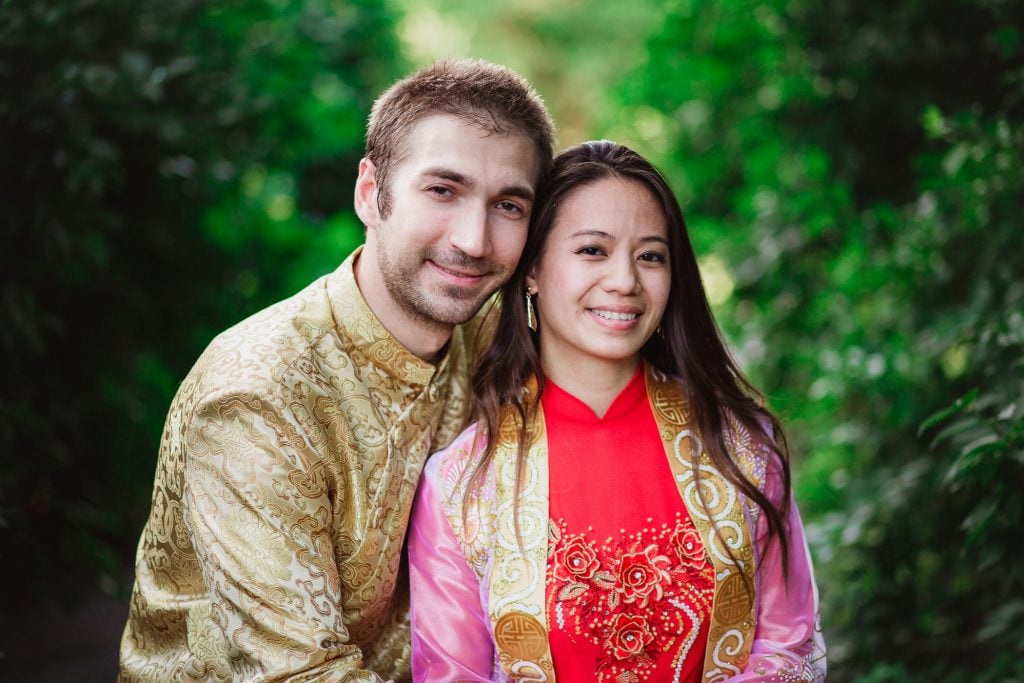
[670, 405]
[732, 602]
[521, 636]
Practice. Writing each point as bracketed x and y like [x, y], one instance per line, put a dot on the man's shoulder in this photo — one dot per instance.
[254, 354]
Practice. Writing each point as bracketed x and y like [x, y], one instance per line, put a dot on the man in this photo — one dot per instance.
[293, 448]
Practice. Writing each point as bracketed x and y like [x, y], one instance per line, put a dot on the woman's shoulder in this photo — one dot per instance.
[447, 467]
[449, 475]
[753, 447]
[751, 443]
[465, 446]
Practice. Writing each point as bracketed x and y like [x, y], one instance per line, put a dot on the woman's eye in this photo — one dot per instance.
[590, 251]
[652, 257]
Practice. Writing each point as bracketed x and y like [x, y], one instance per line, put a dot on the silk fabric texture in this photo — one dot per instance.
[285, 478]
[469, 577]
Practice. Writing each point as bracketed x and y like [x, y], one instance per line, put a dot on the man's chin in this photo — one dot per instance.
[456, 310]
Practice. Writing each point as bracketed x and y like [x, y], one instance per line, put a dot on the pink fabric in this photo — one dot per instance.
[451, 634]
[786, 638]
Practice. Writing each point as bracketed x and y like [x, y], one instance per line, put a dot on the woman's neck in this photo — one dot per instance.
[596, 384]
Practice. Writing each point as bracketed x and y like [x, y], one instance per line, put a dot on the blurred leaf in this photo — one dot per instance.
[958, 406]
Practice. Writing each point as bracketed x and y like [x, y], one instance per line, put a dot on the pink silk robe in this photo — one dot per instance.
[453, 638]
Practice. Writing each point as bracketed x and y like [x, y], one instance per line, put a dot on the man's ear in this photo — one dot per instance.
[366, 194]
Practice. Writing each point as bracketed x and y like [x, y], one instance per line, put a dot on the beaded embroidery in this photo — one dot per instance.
[634, 598]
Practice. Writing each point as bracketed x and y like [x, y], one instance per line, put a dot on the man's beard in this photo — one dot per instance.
[456, 306]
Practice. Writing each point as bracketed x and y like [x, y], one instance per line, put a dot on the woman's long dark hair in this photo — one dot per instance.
[689, 346]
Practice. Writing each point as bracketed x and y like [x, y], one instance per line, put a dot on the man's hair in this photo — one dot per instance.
[489, 96]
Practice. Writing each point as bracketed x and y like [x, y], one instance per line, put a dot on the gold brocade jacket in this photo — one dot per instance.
[285, 479]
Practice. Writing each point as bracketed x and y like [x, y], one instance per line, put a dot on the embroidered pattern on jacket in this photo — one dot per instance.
[633, 598]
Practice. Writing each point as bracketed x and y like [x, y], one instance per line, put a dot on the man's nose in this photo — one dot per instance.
[469, 232]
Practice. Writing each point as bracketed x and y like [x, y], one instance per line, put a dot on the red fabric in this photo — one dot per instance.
[629, 585]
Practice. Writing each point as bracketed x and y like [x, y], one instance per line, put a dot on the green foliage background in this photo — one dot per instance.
[852, 175]
[168, 167]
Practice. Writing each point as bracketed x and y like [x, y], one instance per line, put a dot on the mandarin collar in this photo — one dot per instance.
[356, 322]
[559, 402]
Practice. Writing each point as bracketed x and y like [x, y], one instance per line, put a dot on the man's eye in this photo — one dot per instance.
[440, 190]
[510, 207]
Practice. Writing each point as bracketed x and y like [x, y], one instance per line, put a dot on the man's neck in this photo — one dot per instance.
[423, 339]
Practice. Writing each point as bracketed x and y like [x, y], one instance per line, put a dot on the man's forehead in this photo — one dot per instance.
[445, 145]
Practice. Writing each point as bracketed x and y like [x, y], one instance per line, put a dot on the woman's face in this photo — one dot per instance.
[603, 279]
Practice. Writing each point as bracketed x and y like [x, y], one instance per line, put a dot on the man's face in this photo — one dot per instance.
[460, 206]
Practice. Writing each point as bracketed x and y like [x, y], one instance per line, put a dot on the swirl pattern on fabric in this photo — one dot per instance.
[284, 484]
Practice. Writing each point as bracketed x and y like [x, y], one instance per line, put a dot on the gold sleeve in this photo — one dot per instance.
[257, 509]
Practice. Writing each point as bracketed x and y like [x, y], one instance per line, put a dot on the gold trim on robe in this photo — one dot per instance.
[713, 503]
[516, 591]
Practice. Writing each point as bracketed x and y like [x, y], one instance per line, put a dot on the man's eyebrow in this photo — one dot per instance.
[521, 191]
[449, 174]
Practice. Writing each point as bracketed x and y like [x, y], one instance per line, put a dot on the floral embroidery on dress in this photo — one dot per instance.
[634, 598]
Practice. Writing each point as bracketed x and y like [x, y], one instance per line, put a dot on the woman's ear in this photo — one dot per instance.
[531, 280]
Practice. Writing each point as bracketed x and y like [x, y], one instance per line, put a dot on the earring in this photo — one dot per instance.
[531, 317]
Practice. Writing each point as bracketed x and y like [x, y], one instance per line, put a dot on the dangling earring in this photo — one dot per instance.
[531, 317]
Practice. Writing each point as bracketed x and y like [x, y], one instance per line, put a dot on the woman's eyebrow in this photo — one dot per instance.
[605, 235]
[591, 233]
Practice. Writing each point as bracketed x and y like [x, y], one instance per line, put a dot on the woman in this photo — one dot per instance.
[621, 511]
